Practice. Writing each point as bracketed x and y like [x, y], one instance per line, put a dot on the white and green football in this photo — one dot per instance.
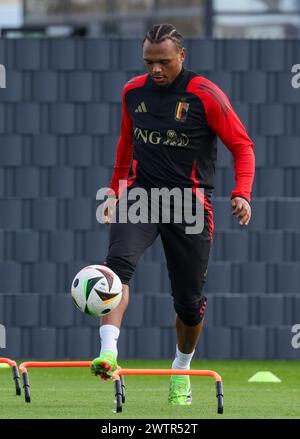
[96, 290]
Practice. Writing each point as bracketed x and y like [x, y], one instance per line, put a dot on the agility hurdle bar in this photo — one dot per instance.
[120, 388]
[15, 373]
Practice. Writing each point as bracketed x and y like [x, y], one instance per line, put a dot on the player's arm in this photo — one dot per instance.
[122, 163]
[224, 121]
[124, 150]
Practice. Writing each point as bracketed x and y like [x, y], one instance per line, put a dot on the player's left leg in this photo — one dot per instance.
[187, 336]
[187, 260]
[187, 339]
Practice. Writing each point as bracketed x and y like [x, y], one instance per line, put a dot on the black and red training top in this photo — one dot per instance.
[169, 136]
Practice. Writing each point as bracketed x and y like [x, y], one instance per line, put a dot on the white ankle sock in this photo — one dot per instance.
[109, 335]
[182, 361]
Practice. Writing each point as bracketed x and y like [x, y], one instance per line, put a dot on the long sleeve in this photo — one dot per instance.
[124, 149]
[223, 120]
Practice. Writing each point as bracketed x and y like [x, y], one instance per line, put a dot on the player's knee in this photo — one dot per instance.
[121, 267]
[191, 314]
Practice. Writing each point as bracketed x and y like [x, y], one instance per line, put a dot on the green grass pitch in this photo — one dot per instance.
[75, 393]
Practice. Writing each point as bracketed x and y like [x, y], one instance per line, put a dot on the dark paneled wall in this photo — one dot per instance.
[59, 124]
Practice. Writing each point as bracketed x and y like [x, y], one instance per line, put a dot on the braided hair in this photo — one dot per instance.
[161, 32]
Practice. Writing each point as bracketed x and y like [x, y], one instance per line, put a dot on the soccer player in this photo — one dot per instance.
[170, 123]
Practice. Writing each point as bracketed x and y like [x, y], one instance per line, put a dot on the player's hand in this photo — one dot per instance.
[242, 210]
[109, 209]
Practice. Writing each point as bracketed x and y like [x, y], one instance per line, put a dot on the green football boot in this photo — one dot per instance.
[180, 391]
[105, 365]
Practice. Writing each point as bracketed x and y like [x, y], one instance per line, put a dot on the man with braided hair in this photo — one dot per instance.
[170, 123]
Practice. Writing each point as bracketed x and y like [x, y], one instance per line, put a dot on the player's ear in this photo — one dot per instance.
[182, 54]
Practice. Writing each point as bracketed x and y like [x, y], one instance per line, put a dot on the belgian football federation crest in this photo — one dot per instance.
[181, 111]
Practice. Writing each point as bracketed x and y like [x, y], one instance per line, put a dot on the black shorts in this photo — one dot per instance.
[186, 254]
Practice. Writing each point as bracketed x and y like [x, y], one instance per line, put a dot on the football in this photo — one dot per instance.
[96, 290]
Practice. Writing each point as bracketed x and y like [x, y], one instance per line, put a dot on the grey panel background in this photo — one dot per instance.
[59, 125]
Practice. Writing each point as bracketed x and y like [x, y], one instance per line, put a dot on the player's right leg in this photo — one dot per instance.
[127, 242]
[106, 363]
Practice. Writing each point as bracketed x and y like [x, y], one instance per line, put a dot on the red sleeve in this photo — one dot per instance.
[124, 149]
[223, 120]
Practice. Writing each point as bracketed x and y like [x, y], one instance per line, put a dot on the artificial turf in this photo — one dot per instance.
[75, 393]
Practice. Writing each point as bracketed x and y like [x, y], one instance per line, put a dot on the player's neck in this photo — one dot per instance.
[178, 75]
[175, 80]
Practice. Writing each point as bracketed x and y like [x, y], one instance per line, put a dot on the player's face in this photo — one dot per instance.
[163, 61]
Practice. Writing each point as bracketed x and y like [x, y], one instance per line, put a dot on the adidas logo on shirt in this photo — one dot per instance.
[141, 108]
